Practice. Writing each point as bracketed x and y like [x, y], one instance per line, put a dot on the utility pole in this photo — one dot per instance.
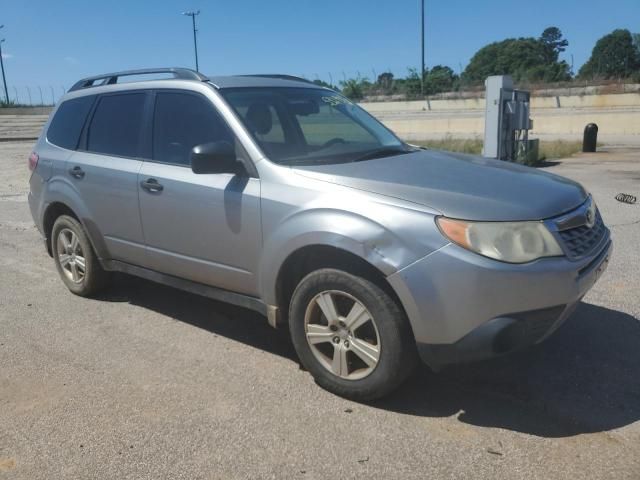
[422, 49]
[193, 14]
[4, 80]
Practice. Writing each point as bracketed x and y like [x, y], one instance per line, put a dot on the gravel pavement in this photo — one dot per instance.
[147, 382]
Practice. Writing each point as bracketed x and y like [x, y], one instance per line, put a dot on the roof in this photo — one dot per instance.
[261, 80]
[266, 80]
[112, 78]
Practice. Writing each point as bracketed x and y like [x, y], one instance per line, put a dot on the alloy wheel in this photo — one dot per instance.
[70, 255]
[342, 334]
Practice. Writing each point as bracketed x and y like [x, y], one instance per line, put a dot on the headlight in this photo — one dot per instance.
[513, 242]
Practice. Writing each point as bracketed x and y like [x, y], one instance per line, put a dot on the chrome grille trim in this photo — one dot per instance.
[581, 231]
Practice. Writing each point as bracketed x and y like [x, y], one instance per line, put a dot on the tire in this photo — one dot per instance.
[71, 249]
[375, 356]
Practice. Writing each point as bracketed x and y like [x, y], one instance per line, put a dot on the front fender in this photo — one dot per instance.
[385, 248]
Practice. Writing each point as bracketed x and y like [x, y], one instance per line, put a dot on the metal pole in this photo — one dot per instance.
[195, 40]
[572, 64]
[4, 80]
[422, 49]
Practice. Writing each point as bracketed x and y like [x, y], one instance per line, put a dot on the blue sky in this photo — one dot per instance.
[55, 42]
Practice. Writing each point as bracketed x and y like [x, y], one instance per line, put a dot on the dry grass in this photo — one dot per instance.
[463, 145]
[558, 149]
[549, 150]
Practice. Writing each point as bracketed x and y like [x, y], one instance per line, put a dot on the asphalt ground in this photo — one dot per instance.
[149, 382]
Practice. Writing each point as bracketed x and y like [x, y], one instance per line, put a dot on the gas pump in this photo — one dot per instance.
[507, 122]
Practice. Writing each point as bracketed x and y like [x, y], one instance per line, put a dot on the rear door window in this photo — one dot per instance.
[68, 121]
[180, 122]
[117, 124]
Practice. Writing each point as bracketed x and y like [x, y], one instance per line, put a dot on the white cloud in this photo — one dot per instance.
[7, 56]
[71, 60]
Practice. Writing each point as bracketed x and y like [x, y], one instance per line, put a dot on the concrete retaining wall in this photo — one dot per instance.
[23, 126]
[560, 101]
[26, 110]
[561, 117]
[569, 125]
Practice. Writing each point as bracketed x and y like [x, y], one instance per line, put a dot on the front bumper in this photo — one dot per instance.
[465, 307]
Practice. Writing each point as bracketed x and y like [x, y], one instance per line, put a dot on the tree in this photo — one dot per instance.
[614, 56]
[549, 73]
[636, 42]
[322, 83]
[513, 56]
[553, 43]
[525, 59]
[411, 84]
[353, 89]
[440, 79]
[385, 83]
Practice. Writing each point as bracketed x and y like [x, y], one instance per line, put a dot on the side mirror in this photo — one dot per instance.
[215, 157]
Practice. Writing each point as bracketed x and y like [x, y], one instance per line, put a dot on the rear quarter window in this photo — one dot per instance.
[68, 121]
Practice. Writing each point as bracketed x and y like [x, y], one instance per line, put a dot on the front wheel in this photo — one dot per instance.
[351, 335]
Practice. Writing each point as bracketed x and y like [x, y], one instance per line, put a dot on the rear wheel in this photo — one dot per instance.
[75, 259]
[350, 334]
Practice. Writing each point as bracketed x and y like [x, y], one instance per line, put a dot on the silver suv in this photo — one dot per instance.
[276, 194]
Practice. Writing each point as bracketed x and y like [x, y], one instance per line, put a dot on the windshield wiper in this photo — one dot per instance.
[381, 152]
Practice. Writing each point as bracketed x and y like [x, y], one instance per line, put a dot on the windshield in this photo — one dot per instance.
[311, 126]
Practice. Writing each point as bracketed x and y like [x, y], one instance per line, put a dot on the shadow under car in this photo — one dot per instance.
[585, 378]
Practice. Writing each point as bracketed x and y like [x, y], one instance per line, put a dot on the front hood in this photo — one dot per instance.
[458, 185]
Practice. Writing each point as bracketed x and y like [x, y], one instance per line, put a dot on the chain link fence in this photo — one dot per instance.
[34, 96]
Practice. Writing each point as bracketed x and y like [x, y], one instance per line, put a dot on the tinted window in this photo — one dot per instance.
[311, 125]
[275, 133]
[181, 121]
[116, 125]
[330, 122]
[68, 121]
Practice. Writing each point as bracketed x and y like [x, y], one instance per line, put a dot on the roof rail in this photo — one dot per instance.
[112, 78]
[279, 76]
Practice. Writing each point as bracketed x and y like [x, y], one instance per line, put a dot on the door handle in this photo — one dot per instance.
[151, 185]
[76, 172]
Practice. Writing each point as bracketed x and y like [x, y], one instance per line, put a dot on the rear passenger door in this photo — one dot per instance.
[105, 168]
[202, 227]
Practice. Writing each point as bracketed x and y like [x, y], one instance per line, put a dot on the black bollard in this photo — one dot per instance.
[590, 138]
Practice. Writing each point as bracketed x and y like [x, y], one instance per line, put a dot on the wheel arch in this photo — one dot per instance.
[313, 257]
[58, 207]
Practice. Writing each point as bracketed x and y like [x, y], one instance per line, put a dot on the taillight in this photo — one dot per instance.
[33, 161]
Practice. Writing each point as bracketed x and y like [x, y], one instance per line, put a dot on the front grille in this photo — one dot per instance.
[580, 241]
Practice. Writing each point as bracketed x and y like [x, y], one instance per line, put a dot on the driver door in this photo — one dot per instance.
[201, 227]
